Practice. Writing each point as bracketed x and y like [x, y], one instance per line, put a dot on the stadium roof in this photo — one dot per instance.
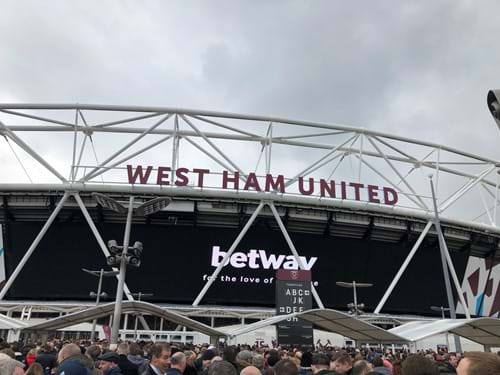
[127, 307]
[332, 321]
[485, 331]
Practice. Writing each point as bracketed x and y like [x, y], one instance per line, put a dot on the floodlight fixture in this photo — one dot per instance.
[134, 261]
[440, 309]
[97, 273]
[494, 105]
[102, 295]
[109, 203]
[152, 206]
[355, 308]
[353, 284]
[113, 247]
[112, 260]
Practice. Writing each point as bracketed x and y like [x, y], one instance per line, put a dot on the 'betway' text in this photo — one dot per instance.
[256, 259]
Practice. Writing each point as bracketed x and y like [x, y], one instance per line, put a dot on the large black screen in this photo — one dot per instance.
[177, 261]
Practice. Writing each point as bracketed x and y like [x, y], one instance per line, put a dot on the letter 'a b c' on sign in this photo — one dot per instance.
[293, 294]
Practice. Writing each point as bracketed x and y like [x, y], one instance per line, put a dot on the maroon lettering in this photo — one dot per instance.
[373, 194]
[252, 182]
[279, 184]
[201, 173]
[343, 190]
[357, 187]
[301, 186]
[325, 187]
[390, 196]
[226, 179]
[138, 173]
[162, 178]
[182, 178]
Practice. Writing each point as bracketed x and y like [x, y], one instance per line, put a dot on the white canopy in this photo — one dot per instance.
[332, 321]
[11, 323]
[127, 307]
[485, 331]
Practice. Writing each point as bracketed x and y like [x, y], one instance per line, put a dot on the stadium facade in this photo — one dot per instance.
[263, 193]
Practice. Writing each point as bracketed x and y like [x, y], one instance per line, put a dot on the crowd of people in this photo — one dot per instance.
[146, 358]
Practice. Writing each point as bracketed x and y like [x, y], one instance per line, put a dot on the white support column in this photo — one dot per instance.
[360, 156]
[75, 138]
[269, 147]
[125, 321]
[98, 237]
[145, 324]
[403, 268]
[496, 200]
[228, 254]
[455, 281]
[175, 146]
[294, 252]
[33, 246]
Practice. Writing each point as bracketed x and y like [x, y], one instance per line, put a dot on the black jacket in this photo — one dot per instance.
[127, 367]
[47, 360]
[173, 371]
[149, 371]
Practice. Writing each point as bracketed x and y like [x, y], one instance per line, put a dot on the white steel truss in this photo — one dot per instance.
[236, 143]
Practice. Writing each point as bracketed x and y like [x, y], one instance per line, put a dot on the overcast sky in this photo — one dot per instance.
[417, 69]
[420, 69]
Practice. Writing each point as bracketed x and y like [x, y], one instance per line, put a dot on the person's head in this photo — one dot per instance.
[190, 357]
[285, 367]
[229, 354]
[178, 361]
[134, 349]
[160, 356]
[35, 369]
[320, 362]
[258, 361]
[378, 362]
[9, 366]
[68, 350]
[250, 370]
[123, 349]
[452, 359]
[361, 367]
[72, 366]
[478, 363]
[273, 358]
[207, 357]
[306, 359]
[10, 352]
[93, 351]
[244, 357]
[108, 361]
[222, 368]
[419, 365]
[343, 363]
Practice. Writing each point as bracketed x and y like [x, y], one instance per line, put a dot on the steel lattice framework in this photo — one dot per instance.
[86, 148]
